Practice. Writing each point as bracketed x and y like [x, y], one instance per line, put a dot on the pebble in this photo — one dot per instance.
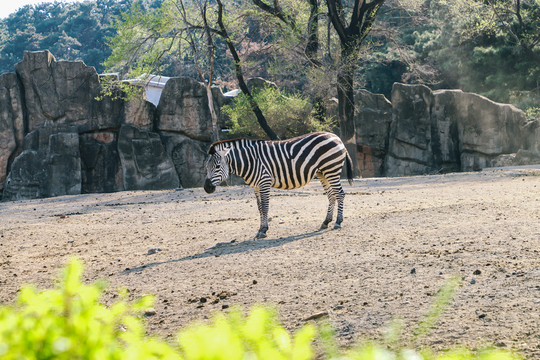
[153, 251]
[317, 316]
[150, 312]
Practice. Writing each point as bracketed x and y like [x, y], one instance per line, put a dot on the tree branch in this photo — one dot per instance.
[240, 76]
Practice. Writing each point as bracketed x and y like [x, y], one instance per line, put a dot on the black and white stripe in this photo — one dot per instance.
[287, 164]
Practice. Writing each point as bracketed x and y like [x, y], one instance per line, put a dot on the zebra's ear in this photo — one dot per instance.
[223, 152]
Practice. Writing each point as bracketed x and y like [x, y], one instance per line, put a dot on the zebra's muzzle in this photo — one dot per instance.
[208, 187]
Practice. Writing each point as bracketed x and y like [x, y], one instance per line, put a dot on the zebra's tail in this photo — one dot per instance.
[349, 168]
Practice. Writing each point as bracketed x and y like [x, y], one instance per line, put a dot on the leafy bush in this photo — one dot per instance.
[259, 336]
[288, 115]
[69, 322]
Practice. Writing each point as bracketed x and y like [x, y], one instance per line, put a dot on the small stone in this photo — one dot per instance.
[153, 251]
[223, 307]
[413, 271]
[203, 300]
[473, 282]
[150, 312]
[477, 272]
[317, 316]
[481, 316]
[254, 282]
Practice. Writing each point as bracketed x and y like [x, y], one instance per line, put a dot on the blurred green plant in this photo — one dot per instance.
[69, 322]
[288, 115]
[257, 336]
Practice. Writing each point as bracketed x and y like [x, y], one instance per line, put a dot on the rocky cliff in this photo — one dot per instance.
[57, 139]
[425, 132]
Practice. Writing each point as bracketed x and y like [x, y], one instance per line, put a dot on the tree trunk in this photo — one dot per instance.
[345, 90]
[312, 46]
[215, 130]
[240, 76]
[351, 35]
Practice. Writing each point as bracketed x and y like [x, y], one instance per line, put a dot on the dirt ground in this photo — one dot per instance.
[402, 238]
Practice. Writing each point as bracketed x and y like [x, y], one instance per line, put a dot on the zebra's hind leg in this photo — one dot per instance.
[331, 200]
[263, 202]
[340, 198]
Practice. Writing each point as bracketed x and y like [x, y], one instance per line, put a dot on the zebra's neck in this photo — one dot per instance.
[242, 157]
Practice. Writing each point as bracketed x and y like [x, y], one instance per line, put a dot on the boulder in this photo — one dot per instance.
[145, 163]
[49, 165]
[11, 123]
[56, 92]
[522, 157]
[486, 130]
[185, 126]
[183, 109]
[100, 163]
[409, 143]
[373, 115]
[445, 140]
[188, 156]
[451, 130]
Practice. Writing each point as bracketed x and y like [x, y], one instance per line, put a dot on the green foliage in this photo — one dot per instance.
[168, 39]
[288, 115]
[487, 47]
[71, 31]
[258, 336]
[69, 322]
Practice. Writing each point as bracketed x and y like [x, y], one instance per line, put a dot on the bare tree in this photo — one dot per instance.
[351, 34]
[206, 75]
[240, 75]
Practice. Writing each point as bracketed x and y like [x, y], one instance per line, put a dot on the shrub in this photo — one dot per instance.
[68, 322]
[288, 115]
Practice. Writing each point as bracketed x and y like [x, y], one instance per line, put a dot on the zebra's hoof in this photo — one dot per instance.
[337, 226]
[323, 226]
[260, 235]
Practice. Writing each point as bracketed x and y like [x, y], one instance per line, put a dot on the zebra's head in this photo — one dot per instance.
[217, 169]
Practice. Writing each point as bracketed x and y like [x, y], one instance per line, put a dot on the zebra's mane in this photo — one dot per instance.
[242, 142]
[233, 143]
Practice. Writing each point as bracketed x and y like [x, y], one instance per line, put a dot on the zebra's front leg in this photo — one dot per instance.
[263, 202]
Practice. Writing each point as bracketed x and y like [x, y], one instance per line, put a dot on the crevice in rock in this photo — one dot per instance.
[186, 133]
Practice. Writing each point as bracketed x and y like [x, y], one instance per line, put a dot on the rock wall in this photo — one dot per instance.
[450, 130]
[57, 139]
[11, 123]
[373, 117]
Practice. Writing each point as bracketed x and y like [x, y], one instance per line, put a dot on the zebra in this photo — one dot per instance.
[285, 164]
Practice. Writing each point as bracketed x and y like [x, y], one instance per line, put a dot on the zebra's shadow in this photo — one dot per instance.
[221, 249]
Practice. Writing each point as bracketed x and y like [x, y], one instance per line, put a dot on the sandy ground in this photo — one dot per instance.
[402, 238]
